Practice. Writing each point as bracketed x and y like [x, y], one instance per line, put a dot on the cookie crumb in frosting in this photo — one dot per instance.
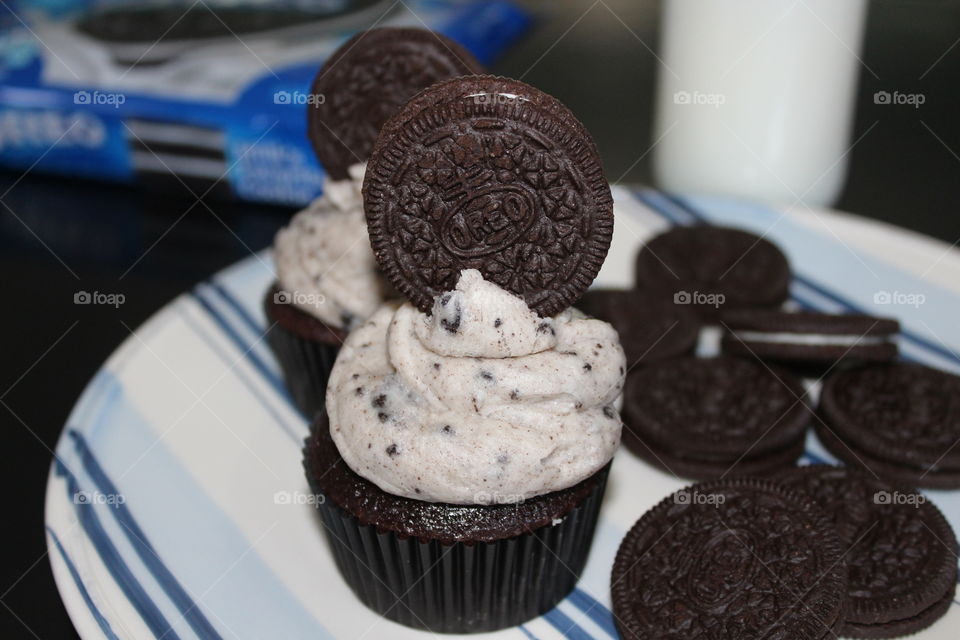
[451, 325]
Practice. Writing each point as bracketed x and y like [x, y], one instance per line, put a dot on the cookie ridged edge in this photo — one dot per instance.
[572, 136]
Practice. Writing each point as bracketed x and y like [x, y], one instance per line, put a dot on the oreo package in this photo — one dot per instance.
[212, 95]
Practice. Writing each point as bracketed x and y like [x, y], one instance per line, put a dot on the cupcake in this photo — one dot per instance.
[468, 433]
[327, 283]
[464, 470]
[327, 279]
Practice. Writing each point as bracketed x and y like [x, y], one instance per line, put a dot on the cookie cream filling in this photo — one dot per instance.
[323, 257]
[810, 339]
[480, 402]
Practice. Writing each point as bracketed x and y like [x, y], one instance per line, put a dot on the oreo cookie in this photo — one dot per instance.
[651, 329]
[705, 418]
[712, 268]
[367, 80]
[901, 421]
[488, 173]
[807, 338]
[742, 558]
[900, 551]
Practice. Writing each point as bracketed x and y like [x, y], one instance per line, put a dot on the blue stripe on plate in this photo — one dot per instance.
[138, 539]
[113, 561]
[170, 509]
[237, 306]
[245, 348]
[82, 588]
[594, 609]
[241, 318]
[562, 623]
[528, 633]
[255, 391]
[651, 199]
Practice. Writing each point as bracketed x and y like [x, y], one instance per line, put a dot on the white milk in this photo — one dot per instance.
[755, 97]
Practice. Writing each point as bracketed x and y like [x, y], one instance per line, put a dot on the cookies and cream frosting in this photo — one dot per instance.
[323, 258]
[482, 401]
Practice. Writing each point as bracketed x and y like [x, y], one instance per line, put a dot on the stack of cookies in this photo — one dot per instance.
[898, 421]
[747, 411]
[817, 552]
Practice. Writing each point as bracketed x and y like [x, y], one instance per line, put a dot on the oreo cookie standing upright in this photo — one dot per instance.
[714, 268]
[488, 173]
[900, 551]
[367, 80]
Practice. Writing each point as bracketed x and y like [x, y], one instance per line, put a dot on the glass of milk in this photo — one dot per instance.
[755, 97]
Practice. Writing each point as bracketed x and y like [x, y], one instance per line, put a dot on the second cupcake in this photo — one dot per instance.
[327, 279]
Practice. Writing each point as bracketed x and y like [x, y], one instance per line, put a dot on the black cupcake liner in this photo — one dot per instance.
[306, 366]
[463, 587]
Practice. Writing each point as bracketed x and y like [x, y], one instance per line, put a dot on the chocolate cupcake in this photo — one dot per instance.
[327, 278]
[467, 440]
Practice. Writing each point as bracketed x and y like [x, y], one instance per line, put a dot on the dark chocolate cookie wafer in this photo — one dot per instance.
[741, 558]
[899, 549]
[905, 416]
[714, 414]
[843, 493]
[808, 337]
[762, 464]
[901, 628]
[367, 80]
[713, 268]
[488, 173]
[849, 453]
[651, 329]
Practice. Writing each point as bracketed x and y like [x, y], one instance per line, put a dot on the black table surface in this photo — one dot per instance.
[60, 236]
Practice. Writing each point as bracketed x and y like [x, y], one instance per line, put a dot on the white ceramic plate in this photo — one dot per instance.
[177, 506]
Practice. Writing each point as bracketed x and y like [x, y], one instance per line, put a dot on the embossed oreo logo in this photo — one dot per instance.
[516, 192]
[488, 221]
[723, 568]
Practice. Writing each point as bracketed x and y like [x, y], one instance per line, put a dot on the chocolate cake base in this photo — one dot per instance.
[451, 568]
[305, 348]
